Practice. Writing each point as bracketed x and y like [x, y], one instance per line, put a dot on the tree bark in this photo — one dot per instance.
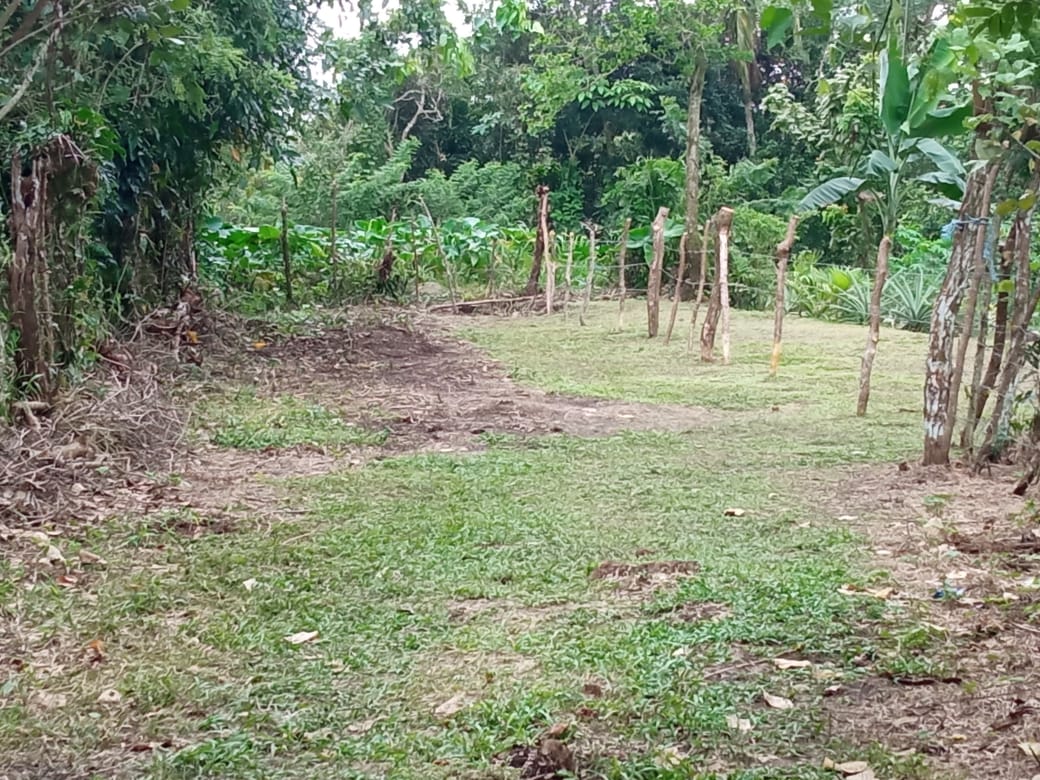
[874, 330]
[541, 239]
[1000, 329]
[677, 292]
[1024, 306]
[622, 286]
[939, 368]
[693, 154]
[27, 286]
[783, 256]
[653, 290]
[968, 431]
[749, 121]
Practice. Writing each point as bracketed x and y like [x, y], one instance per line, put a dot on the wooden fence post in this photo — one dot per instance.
[725, 222]
[590, 280]
[718, 304]
[700, 286]
[541, 241]
[568, 285]
[550, 273]
[622, 286]
[653, 291]
[783, 255]
[677, 293]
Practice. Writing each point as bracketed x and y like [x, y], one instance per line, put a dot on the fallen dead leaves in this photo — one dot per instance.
[452, 706]
[789, 663]
[301, 637]
[851, 770]
[777, 702]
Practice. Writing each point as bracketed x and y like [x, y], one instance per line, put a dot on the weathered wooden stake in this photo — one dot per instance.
[622, 286]
[567, 277]
[653, 291]
[700, 287]
[590, 280]
[725, 222]
[541, 241]
[677, 293]
[874, 325]
[550, 273]
[286, 257]
[783, 255]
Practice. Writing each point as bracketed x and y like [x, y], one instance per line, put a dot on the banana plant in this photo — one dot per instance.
[914, 117]
[915, 111]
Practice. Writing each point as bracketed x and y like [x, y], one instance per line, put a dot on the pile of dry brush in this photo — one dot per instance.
[71, 460]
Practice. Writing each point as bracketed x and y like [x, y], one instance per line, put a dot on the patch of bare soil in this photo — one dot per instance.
[431, 391]
[962, 556]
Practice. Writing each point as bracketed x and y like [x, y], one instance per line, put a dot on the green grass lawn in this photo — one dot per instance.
[466, 578]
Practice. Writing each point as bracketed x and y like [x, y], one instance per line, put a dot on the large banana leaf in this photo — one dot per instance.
[895, 97]
[941, 157]
[829, 192]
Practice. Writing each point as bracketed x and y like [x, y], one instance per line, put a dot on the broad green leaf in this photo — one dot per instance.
[895, 98]
[823, 10]
[880, 163]
[829, 192]
[949, 184]
[941, 122]
[776, 21]
[179, 5]
[1027, 201]
[268, 232]
[941, 157]
[1007, 207]
[1006, 286]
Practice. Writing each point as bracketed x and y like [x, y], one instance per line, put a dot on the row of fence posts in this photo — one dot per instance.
[716, 325]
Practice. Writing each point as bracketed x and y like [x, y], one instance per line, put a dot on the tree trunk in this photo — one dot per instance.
[749, 121]
[939, 368]
[874, 331]
[286, 256]
[541, 239]
[590, 279]
[700, 286]
[677, 292]
[968, 431]
[693, 154]
[1000, 329]
[27, 277]
[783, 255]
[1024, 306]
[968, 321]
[622, 286]
[653, 288]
